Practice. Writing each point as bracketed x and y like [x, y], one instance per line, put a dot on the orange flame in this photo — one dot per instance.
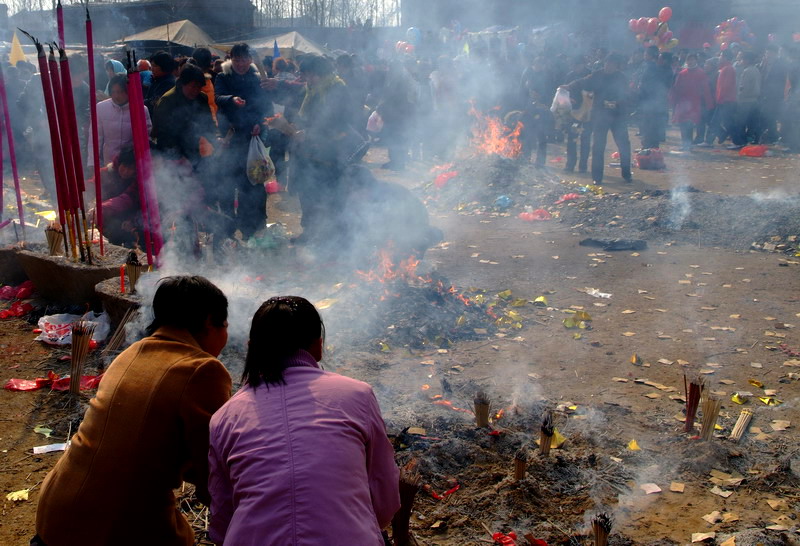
[491, 136]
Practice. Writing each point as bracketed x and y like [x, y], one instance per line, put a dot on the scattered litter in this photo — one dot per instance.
[50, 448]
[714, 517]
[716, 490]
[633, 445]
[43, 430]
[596, 293]
[650, 488]
[677, 487]
[18, 496]
[777, 504]
[702, 537]
[779, 426]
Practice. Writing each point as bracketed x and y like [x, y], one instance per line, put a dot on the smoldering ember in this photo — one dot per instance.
[558, 241]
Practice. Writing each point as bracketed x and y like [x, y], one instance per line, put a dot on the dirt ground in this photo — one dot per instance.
[726, 314]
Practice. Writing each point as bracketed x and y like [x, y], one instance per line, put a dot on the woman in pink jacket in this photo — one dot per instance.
[299, 455]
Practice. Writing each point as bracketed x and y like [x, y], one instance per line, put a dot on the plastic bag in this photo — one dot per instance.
[260, 168]
[375, 122]
[753, 150]
[562, 105]
[57, 329]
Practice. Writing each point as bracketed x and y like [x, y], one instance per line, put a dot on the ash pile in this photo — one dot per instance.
[394, 306]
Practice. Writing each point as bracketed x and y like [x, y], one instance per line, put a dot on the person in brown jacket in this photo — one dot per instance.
[146, 430]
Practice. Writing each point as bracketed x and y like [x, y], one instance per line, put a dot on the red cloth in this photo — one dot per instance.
[689, 95]
[726, 83]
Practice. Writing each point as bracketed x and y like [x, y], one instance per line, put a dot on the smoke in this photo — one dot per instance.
[681, 207]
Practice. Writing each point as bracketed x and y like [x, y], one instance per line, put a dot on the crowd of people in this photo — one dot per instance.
[312, 112]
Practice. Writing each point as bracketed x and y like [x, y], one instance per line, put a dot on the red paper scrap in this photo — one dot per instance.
[508, 540]
[568, 197]
[53, 381]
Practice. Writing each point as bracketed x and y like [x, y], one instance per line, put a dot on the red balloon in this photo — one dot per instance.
[642, 24]
[665, 14]
[633, 24]
[652, 25]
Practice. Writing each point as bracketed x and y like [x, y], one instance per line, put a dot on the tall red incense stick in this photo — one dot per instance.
[140, 148]
[71, 183]
[11, 152]
[60, 22]
[59, 173]
[75, 146]
[98, 191]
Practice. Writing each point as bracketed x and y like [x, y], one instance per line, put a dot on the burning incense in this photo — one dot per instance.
[118, 337]
[711, 407]
[520, 465]
[11, 152]
[82, 331]
[482, 409]
[55, 238]
[134, 268]
[694, 389]
[95, 138]
[546, 435]
[741, 425]
[409, 485]
[601, 527]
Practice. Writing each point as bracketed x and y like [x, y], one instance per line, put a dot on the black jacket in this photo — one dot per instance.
[258, 105]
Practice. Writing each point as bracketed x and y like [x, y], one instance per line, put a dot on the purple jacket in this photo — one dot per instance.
[307, 462]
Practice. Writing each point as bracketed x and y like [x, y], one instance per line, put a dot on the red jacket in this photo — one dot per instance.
[726, 84]
[690, 95]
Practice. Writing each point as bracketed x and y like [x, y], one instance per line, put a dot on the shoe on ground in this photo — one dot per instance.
[628, 179]
[735, 147]
[705, 145]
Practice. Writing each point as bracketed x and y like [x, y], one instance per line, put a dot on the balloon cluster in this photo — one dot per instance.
[733, 32]
[654, 31]
[413, 37]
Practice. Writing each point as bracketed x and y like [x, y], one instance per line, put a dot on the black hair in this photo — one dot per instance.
[692, 56]
[191, 74]
[317, 65]
[241, 50]
[749, 56]
[127, 157]
[727, 54]
[164, 61]
[282, 326]
[120, 80]
[203, 57]
[186, 302]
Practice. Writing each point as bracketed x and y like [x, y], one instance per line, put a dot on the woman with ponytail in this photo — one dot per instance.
[299, 455]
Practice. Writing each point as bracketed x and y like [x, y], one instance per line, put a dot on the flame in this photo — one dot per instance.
[491, 136]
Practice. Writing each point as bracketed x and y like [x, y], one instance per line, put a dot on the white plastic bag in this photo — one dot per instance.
[260, 168]
[57, 329]
[561, 103]
[375, 122]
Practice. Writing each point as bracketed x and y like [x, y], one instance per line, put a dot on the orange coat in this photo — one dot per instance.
[145, 432]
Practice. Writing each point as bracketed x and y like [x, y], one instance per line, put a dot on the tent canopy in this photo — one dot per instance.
[183, 33]
[290, 44]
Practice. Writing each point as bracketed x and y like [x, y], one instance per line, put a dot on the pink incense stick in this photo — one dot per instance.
[135, 102]
[60, 22]
[98, 190]
[11, 152]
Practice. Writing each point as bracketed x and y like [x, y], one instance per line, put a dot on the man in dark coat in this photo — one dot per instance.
[610, 112]
[244, 106]
[653, 91]
[163, 66]
[773, 87]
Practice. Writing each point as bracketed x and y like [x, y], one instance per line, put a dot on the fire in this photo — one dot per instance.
[491, 136]
[386, 271]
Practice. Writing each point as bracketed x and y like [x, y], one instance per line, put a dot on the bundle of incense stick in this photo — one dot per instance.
[482, 409]
[711, 407]
[741, 425]
[118, 337]
[134, 268]
[82, 331]
[694, 389]
[520, 465]
[546, 435]
[55, 238]
[601, 527]
[409, 485]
